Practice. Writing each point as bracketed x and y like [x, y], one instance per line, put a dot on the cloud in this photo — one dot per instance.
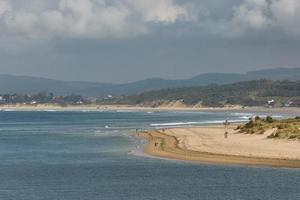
[97, 19]
[250, 15]
[3, 7]
[286, 15]
[88, 18]
[165, 11]
[262, 15]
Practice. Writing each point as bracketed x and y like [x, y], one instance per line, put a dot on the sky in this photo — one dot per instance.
[120, 41]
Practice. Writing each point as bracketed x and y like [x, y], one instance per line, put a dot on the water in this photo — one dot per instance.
[85, 156]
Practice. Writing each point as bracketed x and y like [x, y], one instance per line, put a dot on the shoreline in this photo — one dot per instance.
[96, 107]
[173, 146]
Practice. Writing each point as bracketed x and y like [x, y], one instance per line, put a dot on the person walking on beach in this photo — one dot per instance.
[226, 123]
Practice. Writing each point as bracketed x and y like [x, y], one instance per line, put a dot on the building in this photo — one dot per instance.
[295, 103]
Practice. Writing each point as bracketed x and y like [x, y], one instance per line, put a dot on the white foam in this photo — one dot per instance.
[241, 114]
[245, 117]
[195, 123]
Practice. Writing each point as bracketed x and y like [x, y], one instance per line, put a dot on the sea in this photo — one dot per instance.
[91, 155]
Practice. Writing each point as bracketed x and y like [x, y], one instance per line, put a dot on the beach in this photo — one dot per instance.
[295, 111]
[207, 144]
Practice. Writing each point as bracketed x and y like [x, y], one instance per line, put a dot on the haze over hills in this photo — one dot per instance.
[246, 93]
[29, 85]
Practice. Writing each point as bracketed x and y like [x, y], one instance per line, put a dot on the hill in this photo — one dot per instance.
[31, 85]
[10, 84]
[247, 93]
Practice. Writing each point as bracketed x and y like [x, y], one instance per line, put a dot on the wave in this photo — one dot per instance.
[196, 123]
[245, 117]
[242, 114]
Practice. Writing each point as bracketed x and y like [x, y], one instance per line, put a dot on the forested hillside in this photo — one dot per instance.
[248, 93]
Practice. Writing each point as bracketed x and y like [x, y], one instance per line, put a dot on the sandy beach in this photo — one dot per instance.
[102, 107]
[207, 144]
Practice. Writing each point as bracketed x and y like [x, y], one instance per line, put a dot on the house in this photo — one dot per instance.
[295, 103]
[271, 103]
[32, 102]
[274, 104]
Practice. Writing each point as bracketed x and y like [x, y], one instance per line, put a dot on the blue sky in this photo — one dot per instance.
[128, 40]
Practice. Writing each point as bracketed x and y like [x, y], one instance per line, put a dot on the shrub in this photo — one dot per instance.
[250, 124]
[281, 126]
[257, 118]
[269, 119]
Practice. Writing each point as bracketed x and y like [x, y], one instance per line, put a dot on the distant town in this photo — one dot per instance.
[45, 98]
[73, 99]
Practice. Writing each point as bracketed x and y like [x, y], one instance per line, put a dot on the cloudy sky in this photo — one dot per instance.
[128, 40]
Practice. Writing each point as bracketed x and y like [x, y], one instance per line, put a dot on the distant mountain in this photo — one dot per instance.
[29, 85]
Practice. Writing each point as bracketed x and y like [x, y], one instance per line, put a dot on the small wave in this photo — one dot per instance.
[8, 110]
[106, 133]
[242, 114]
[265, 115]
[245, 117]
[195, 123]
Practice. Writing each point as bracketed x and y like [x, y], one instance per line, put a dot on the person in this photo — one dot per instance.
[226, 123]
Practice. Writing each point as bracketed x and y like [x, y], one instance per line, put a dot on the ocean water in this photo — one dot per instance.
[90, 156]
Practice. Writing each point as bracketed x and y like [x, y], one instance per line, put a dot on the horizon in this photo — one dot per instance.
[149, 78]
[114, 41]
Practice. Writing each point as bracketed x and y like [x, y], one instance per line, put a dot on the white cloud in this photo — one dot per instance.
[87, 18]
[286, 14]
[250, 15]
[165, 11]
[4, 7]
[260, 15]
[127, 18]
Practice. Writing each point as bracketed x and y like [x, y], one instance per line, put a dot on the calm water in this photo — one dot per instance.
[85, 156]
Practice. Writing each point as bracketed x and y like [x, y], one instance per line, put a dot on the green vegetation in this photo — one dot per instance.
[286, 128]
[41, 98]
[248, 93]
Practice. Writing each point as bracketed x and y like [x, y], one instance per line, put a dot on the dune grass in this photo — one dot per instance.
[282, 129]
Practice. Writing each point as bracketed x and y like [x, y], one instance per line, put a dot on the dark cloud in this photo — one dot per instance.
[129, 40]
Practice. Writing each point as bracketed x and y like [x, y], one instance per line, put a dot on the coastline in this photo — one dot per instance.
[238, 149]
[102, 107]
